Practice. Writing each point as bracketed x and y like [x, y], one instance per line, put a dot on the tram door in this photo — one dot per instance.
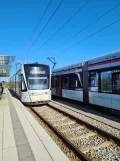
[58, 86]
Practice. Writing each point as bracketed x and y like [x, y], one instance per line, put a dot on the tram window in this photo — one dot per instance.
[56, 82]
[66, 82]
[17, 82]
[116, 82]
[81, 78]
[52, 82]
[93, 81]
[106, 81]
[74, 82]
[23, 84]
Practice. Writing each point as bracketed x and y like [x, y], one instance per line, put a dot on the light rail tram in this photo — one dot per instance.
[95, 81]
[32, 84]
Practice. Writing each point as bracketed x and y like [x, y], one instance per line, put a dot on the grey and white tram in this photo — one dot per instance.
[95, 81]
[32, 84]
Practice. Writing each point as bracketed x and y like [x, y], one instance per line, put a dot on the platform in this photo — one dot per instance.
[21, 137]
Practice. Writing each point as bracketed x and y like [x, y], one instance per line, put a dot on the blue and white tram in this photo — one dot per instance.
[32, 84]
[95, 81]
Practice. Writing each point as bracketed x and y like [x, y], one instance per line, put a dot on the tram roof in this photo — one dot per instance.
[104, 57]
[68, 67]
[5, 65]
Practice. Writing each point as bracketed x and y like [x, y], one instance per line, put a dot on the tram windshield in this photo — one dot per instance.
[37, 77]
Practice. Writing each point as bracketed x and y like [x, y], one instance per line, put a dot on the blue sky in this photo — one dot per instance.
[19, 18]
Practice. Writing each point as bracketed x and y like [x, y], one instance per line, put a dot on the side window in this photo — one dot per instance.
[23, 84]
[52, 82]
[75, 82]
[106, 81]
[93, 81]
[57, 82]
[66, 82]
[116, 81]
[81, 78]
[72, 82]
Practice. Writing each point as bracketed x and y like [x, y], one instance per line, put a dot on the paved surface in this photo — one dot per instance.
[21, 136]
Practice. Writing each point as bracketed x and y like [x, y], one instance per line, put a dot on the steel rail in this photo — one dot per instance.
[77, 152]
[90, 126]
[98, 108]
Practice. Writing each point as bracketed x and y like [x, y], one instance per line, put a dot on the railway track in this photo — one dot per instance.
[92, 122]
[86, 141]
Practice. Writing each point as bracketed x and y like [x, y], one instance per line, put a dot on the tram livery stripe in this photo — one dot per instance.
[68, 70]
[105, 62]
[90, 65]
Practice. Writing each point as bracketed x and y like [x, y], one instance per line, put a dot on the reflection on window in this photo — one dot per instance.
[66, 82]
[23, 84]
[57, 82]
[116, 82]
[38, 83]
[71, 82]
[53, 82]
[75, 83]
[93, 81]
[18, 83]
[106, 81]
[37, 76]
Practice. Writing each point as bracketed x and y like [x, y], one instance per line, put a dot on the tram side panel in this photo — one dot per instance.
[99, 87]
[32, 84]
[18, 84]
[71, 87]
[104, 84]
[101, 81]
[115, 65]
[67, 86]
[53, 85]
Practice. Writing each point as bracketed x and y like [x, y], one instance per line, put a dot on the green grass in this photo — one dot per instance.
[5, 85]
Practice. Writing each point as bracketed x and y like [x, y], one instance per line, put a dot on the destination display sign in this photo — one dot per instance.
[37, 72]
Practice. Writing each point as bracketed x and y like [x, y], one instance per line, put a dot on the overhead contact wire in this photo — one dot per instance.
[74, 14]
[45, 25]
[89, 25]
[92, 34]
[40, 19]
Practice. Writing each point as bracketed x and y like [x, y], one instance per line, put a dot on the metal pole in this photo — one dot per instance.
[53, 61]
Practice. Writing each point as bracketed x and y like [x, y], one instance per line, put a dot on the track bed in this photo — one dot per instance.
[86, 142]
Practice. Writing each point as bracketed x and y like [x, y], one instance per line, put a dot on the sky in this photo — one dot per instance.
[18, 20]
